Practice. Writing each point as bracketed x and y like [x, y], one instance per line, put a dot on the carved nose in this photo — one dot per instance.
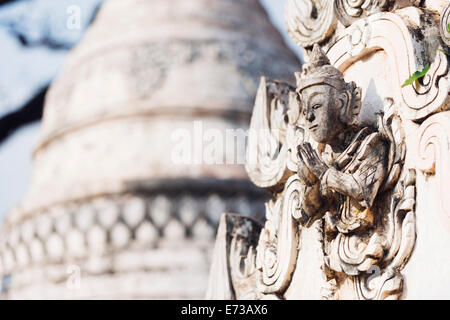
[310, 116]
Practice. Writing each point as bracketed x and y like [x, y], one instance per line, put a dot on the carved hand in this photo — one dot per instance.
[305, 175]
[312, 160]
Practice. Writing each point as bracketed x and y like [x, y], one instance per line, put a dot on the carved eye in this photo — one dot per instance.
[317, 106]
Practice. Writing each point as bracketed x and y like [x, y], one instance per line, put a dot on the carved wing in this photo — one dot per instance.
[376, 262]
[390, 125]
[268, 150]
[387, 282]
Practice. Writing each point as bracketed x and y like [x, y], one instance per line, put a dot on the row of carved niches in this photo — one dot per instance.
[107, 224]
[412, 36]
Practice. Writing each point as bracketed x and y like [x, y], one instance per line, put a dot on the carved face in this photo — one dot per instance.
[320, 112]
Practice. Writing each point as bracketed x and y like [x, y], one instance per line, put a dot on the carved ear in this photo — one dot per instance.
[350, 103]
[356, 102]
[345, 98]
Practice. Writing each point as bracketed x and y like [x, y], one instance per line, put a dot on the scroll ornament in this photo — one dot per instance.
[434, 157]
[309, 21]
[315, 21]
[444, 25]
[349, 11]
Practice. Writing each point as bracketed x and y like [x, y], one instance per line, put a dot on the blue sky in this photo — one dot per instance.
[25, 71]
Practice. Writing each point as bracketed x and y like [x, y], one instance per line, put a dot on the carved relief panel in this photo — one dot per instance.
[350, 179]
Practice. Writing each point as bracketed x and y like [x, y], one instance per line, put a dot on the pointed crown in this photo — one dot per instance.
[319, 71]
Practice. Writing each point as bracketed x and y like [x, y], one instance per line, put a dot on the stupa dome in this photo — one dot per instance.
[110, 193]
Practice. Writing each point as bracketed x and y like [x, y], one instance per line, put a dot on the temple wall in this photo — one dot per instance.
[386, 63]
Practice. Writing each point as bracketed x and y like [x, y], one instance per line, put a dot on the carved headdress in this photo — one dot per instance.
[320, 72]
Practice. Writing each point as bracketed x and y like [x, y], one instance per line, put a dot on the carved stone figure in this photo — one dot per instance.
[343, 154]
[345, 182]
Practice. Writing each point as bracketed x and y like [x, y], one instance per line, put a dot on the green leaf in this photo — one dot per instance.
[445, 51]
[416, 76]
[448, 27]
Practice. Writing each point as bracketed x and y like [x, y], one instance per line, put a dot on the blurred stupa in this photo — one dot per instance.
[124, 200]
